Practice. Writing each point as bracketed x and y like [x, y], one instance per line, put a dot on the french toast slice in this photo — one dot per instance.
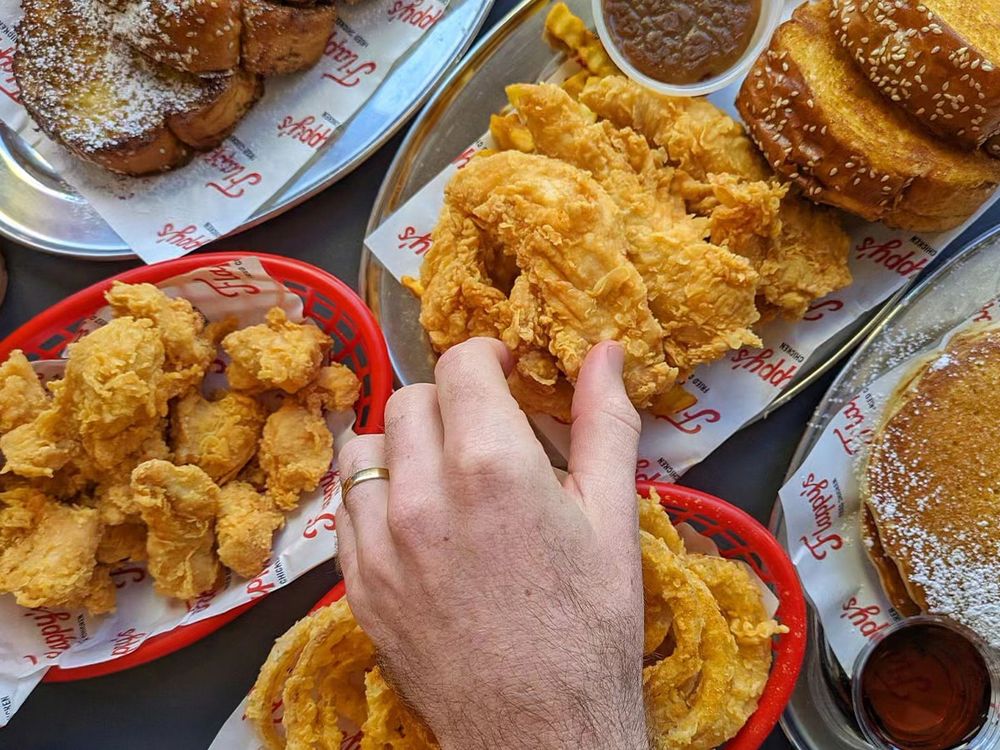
[937, 59]
[822, 124]
[107, 103]
[280, 39]
[195, 36]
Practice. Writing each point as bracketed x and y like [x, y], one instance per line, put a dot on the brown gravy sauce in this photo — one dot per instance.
[681, 41]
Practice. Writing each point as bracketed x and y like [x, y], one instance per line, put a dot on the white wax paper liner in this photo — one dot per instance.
[168, 215]
[32, 640]
[239, 734]
[733, 390]
[822, 506]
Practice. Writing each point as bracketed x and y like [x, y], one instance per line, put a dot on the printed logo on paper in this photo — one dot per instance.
[415, 13]
[235, 177]
[821, 540]
[306, 130]
[891, 256]
[864, 618]
[8, 84]
[352, 67]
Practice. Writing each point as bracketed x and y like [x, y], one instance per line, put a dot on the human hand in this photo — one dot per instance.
[506, 605]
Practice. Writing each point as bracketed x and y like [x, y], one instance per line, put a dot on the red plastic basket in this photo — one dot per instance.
[357, 342]
[738, 536]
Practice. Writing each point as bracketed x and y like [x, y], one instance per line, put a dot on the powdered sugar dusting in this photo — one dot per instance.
[934, 483]
[92, 90]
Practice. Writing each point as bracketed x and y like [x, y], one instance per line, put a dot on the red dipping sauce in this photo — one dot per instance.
[925, 686]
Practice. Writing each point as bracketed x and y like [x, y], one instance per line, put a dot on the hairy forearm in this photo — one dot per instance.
[605, 723]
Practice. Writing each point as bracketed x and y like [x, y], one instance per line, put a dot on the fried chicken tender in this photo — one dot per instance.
[276, 355]
[459, 299]
[806, 254]
[189, 344]
[702, 294]
[219, 436]
[22, 397]
[48, 551]
[246, 523]
[698, 137]
[179, 505]
[296, 450]
[568, 239]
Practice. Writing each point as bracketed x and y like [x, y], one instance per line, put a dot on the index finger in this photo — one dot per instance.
[473, 394]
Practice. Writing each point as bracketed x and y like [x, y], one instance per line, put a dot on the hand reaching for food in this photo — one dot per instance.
[559, 601]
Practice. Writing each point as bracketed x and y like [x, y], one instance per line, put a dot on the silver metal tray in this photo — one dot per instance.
[817, 716]
[458, 115]
[39, 210]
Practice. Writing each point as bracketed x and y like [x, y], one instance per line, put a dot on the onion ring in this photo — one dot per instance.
[741, 604]
[336, 657]
[266, 692]
[391, 725]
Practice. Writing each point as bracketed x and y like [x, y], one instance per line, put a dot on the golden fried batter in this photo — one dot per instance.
[246, 523]
[189, 344]
[22, 397]
[702, 294]
[219, 435]
[335, 388]
[47, 549]
[276, 355]
[295, 451]
[568, 239]
[178, 505]
[804, 259]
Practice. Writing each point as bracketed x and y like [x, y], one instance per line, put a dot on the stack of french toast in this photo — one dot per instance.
[888, 109]
[139, 86]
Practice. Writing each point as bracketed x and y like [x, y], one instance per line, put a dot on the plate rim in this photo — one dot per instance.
[817, 424]
[371, 270]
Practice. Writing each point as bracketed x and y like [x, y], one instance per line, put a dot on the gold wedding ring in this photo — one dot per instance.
[365, 475]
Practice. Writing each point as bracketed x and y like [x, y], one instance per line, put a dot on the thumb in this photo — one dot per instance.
[604, 440]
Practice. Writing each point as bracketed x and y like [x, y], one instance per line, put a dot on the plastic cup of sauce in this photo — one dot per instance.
[927, 683]
[685, 47]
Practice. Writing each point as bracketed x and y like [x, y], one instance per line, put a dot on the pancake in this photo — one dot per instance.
[888, 573]
[932, 484]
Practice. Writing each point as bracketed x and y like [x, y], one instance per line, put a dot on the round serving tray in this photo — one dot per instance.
[818, 715]
[456, 116]
[41, 211]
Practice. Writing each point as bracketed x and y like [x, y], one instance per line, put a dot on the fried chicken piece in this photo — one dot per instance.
[809, 261]
[22, 397]
[48, 550]
[702, 294]
[698, 137]
[336, 388]
[246, 524]
[277, 355]
[115, 389]
[567, 236]
[458, 298]
[808, 256]
[179, 505]
[296, 450]
[219, 436]
[189, 344]
[126, 541]
[40, 448]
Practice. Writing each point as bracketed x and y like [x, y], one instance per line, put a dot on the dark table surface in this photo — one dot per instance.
[180, 701]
